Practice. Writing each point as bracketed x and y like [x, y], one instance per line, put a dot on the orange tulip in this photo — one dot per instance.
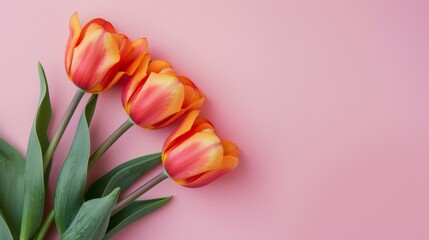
[156, 96]
[194, 156]
[97, 57]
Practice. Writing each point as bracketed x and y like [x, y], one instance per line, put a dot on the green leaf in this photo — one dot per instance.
[12, 166]
[44, 113]
[92, 219]
[5, 233]
[44, 121]
[71, 182]
[132, 213]
[34, 194]
[123, 175]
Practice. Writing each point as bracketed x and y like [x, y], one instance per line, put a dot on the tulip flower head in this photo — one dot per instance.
[97, 57]
[194, 156]
[156, 96]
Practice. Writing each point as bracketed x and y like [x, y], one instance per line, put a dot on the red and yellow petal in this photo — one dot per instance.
[193, 94]
[93, 58]
[103, 23]
[107, 26]
[124, 46]
[200, 153]
[133, 82]
[189, 96]
[184, 127]
[115, 73]
[108, 82]
[199, 125]
[195, 105]
[135, 56]
[75, 31]
[172, 118]
[160, 97]
[228, 163]
[158, 65]
[229, 148]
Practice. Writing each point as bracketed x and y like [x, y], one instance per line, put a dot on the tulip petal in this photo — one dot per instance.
[158, 65]
[199, 125]
[194, 99]
[192, 92]
[125, 48]
[108, 82]
[202, 125]
[160, 97]
[198, 154]
[134, 81]
[98, 23]
[75, 31]
[135, 56]
[189, 96]
[194, 105]
[93, 58]
[114, 74]
[229, 148]
[184, 127]
[102, 23]
[228, 163]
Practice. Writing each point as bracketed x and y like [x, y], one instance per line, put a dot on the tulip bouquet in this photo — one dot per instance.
[153, 96]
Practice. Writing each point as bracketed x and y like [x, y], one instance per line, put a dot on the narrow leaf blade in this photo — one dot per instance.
[34, 194]
[71, 182]
[12, 168]
[44, 115]
[135, 211]
[92, 219]
[5, 233]
[123, 175]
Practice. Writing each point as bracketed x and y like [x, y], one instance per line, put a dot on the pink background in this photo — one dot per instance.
[328, 100]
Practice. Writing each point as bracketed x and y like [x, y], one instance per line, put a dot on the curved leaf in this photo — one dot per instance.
[44, 115]
[92, 219]
[132, 213]
[71, 182]
[123, 175]
[12, 166]
[5, 233]
[34, 194]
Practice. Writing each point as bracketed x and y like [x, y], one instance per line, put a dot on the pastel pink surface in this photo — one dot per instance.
[328, 101]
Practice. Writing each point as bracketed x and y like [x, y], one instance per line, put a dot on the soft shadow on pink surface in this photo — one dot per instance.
[328, 100]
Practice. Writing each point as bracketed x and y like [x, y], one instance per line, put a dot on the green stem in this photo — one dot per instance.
[61, 128]
[109, 141]
[45, 227]
[140, 191]
[47, 159]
